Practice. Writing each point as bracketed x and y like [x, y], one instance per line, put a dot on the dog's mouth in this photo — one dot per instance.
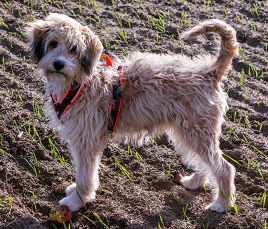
[57, 75]
[57, 72]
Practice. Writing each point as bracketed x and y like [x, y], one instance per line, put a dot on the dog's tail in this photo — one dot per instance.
[229, 45]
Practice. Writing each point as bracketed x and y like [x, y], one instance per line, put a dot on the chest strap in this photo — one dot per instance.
[62, 105]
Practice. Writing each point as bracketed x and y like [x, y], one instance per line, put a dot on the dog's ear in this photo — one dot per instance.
[37, 33]
[93, 51]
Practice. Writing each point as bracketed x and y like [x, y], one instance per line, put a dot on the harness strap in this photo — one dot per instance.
[74, 90]
[107, 60]
[115, 109]
[67, 100]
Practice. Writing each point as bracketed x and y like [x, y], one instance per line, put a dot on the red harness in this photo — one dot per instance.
[73, 91]
[115, 108]
[67, 100]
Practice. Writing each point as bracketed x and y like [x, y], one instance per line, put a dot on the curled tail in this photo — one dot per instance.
[229, 45]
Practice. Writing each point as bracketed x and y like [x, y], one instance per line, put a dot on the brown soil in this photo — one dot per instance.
[32, 179]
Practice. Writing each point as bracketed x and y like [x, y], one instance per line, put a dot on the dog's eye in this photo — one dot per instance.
[73, 49]
[53, 44]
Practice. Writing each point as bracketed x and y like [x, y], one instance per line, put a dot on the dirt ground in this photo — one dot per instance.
[137, 188]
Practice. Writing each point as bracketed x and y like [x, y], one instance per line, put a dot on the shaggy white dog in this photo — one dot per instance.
[156, 94]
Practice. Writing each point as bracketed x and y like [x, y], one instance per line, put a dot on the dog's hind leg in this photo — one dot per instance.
[223, 178]
[201, 151]
[221, 175]
[201, 175]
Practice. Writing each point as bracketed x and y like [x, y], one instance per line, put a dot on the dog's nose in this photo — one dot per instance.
[58, 65]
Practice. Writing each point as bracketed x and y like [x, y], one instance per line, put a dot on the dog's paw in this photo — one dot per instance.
[73, 201]
[217, 206]
[187, 183]
[70, 189]
[193, 181]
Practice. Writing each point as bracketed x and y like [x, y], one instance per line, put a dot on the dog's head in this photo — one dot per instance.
[63, 48]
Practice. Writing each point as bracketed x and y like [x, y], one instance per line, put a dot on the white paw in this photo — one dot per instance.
[188, 183]
[193, 181]
[70, 189]
[216, 206]
[72, 201]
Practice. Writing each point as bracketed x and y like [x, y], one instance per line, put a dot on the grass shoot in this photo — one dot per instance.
[121, 168]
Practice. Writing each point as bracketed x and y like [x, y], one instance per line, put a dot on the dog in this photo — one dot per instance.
[133, 99]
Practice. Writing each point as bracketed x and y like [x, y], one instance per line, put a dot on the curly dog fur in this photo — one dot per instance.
[172, 94]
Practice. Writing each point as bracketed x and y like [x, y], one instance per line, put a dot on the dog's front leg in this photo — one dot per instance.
[87, 180]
